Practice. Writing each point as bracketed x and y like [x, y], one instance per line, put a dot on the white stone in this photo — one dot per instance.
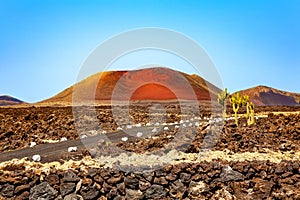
[128, 126]
[184, 125]
[124, 139]
[119, 128]
[36, 158]
[83, 136]
[72, 149]
[156, 124]
[138, 125]
[154, 130]
[148, 124]
[176, 126]
[63, 139]
[215, 120]
[166, 128]
[139, 134]
[32, 144]
[104, 132]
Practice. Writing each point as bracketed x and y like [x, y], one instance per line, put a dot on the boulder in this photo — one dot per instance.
[42, 191]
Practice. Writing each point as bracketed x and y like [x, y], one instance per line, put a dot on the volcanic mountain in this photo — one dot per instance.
[155, 84]
[267, 96]
[9, 101]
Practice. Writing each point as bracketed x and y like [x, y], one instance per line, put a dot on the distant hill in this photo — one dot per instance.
[9, 101]
[158, 84]
[267, 96]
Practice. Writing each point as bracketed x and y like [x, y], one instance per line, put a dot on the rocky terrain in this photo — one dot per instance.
[199, 180]
[21, 126]
[242, 162]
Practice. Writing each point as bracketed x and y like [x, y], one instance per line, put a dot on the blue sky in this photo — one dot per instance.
[44, 43]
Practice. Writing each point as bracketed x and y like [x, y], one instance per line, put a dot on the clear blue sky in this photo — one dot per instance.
[44, 43]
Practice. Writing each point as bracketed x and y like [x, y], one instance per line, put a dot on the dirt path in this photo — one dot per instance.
[55, 151]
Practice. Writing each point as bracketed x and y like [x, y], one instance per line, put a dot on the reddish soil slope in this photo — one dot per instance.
[267, 96]
[8, 101]
[138, 85]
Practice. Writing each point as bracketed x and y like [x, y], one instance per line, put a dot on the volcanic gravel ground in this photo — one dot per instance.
[20, 126]
[274, 132]
[194, 179]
